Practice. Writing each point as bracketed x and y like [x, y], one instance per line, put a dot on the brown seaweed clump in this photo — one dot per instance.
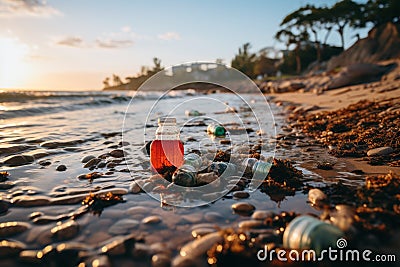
[379, 202]
[283, 180]
[354, 130]
[97, 202]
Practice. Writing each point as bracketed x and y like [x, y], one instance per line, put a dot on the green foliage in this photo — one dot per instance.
[379, 12]
[244, 61]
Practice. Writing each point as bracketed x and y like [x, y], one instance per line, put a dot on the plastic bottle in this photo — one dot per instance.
[216, 129]
[194, 160]
[166, 151]
[193, 113]
[248, 164]
[223, 168]
[306, 232]
[261, 169]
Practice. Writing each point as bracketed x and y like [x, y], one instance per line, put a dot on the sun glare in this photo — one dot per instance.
[13, 65]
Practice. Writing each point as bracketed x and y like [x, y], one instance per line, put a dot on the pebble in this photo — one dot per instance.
[317, 197]
[30, 256]
[101, 164]
[241, 194]
[30, 201]
[134, 188]
[141, 251]
[44, 163]
[380, 151]
[65, 230]
[243, 207]
[117, 153]
[342, 217]
[262, 214]
[123, 226]
[97, 261]
[10, 248]
[19, 160]
[160, 260]
[117, 245]
[152, 220]
[92, 162]
[200, 246]
[61, 168]
[250, 224]
[12, 228]
[199, 232]
[87, 158]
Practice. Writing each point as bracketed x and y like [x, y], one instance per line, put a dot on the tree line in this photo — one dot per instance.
[310, 26]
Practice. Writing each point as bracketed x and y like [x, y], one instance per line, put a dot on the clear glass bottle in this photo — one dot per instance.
[166, 151]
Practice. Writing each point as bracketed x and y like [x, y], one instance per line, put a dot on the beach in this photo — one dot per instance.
[48, 209]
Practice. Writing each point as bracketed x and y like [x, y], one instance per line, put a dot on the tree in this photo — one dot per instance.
[244, 60]
[379, 12]
[264, 66]
[288, 37]
[345, 13]
[157, 65]
[106, 82]
[116, 80]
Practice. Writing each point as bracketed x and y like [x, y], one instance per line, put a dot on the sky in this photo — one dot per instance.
[75, 44]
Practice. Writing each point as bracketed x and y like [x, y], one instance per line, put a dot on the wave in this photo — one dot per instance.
[14, 104]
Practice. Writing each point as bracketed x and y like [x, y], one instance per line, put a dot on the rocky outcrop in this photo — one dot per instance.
[382, 43]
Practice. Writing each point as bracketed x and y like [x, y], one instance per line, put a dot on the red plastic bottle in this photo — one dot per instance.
[166, 151]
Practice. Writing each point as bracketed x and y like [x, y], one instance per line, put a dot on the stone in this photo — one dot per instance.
[160, 260]
[97, 261]
[152, 220]
[117, 153]
[123, 226]
[134, 188]
[250, 224]
[213, 216]
[241, 194]
[199, 232]
[61, 168]
[12, 228]
[380, 151]
[65, 231]
[10, 248]
[30, 201]
[85, 159]
[92, 162]
[3, 206]
[262, 214]
[19, 160]
[243, 207]
[200, 246]
[317, 197]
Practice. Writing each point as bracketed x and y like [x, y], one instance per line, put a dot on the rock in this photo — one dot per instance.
[117, 245]
[65, 231]
[134, 188]
[250, 224]
[97, 261]
[61, 168]
[141, 251]
[85, 159]
[317, 197]
[123, 226]
[160, 260]
[44, 163]
[199, 232]
[152, 220]
[30, 256]
[10, 248]
[200, 246]
[19, 160]
[380, 151]
[262, 214]
[243, 208]
[30, 201]
[241, 194]
[101, 164]
[92, 162]
[12, 228]
[117, 153]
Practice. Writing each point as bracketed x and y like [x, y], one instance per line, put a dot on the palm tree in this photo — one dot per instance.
[244, 60]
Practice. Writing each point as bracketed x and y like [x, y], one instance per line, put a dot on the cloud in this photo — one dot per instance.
[112, 43]
[23, 8]
[126, 29]
[169, 36]
[72, 41]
